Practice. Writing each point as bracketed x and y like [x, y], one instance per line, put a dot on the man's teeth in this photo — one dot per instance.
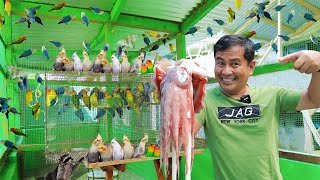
[228, 79]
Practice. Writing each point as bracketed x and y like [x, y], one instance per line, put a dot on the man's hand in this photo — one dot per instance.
[305, 61]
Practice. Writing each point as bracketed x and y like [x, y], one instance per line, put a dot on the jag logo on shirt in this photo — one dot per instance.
[240, 112]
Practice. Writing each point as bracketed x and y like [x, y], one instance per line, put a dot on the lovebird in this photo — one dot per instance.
[210, 31]
[75, 99]
[153, 34]
[192, 30]
[38, 78]
[231, 15]
[219, 21]
[101, 112]
[150, 66]
[27, 53]
[19, 40]
[36, 110]
[309, 17]
[79, 114]
[8, 144]
[290, 16]
[94, 100]
[146, 39]
[86, 45]
[56, 43]
[45, 52]
[58, 6]
[18, 132]
[96, 10]
[237, 3]
[51, 95]
[85, 19]
[156, 151]
[279, 7]
[7, 7]
[314, 39]
[274, 47]
[150, 150]
[66, 19]
[144, 69]
[1, 20]
[249, 34]
[285, 38]
[171, 47]
[257, 46]
[29, 97]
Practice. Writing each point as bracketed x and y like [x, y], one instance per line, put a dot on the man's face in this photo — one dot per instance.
[232, 70]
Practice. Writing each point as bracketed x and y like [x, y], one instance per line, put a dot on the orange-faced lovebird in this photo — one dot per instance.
[18, 132]
[231, 15]
[19, 40]
[4, 102]
[51, 95]
[85, 18]
[156, 151]
[150, 150]
[237, 3]
[150, 66]
[146, 39]
[128, 150]
[249, 34]
[36, 110]
[27, 53]
[153, 34]
[118, 103]
[58, 6]
[130, 99]
[7, 7]
[141, 148]
[171, 47]
[29, 97]
[8, 144]
[144, 69]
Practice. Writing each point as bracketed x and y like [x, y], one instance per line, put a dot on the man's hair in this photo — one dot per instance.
[228, 41]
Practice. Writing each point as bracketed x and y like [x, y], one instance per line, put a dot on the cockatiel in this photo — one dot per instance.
[135, 68]
[68, 64]
[18, 132]
[19, 40]
[231, 15]
[58, 6]
[58, 63]
[106, 152]
[128, 150]
[36, 110]
[93, 154]
[125, 65]
[141, 149]
[78, 66]
[117, 153]
[116, 66]
[87, 64]
[97, 64]
[107, 66]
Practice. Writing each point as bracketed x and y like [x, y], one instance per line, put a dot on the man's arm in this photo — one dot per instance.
[308, 62]
[197, 126]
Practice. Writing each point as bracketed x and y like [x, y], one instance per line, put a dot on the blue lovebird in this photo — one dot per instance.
[25, 82]
[38, 78]
[106, 47]
[313, 39]
[290, 16]
[8, 144]
[79, 114]
[4, 104]
[61, 90]
[274, 47]
[309, 17]
[84, 18]
[66, 19]
[220, 22]
[96, 10]
[27, 53]
[101, 112]
[146, 39]
[210, 32]
[45, 52]
[192, 30]
[56, 43]
[20, 84]
[86, 45]
[65, 102]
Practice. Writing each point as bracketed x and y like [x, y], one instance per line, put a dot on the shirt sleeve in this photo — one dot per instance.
[201, 116]
[288, 99]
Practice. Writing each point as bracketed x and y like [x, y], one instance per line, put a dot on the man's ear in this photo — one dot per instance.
[252, 65]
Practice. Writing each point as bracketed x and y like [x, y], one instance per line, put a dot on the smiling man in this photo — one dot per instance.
[240, 121]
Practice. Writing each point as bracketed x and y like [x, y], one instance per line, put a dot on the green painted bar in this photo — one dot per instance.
[108, 38]
[116, 10]
[181, 45]
[147, 23]
[201, 12]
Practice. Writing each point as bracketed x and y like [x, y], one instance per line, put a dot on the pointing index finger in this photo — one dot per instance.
[289, 58]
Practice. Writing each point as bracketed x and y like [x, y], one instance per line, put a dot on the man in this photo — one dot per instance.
[241, 122]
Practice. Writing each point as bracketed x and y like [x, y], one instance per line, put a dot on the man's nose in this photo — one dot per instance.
[227, 70]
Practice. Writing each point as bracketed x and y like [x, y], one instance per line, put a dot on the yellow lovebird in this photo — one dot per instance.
[7, 7]
[153, 34]
[36, 110]
[94, 100]
[171, 47]
[51, 95]
[29, 97]
[237, 3]
[231, 15]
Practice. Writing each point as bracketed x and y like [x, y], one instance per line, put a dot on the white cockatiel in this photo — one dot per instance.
[127, 148]
[141, 149]
[117, 150]
[78, 66]
[116, 66]
[87, 64]
[125, 65]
